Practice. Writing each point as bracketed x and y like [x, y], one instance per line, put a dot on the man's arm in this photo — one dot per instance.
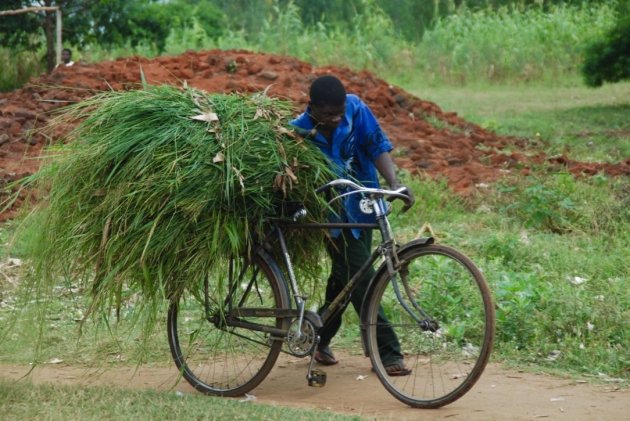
[386, 167]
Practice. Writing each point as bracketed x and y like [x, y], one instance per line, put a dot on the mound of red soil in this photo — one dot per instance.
[427, 140]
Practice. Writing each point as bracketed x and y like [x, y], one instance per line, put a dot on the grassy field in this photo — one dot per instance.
[27, 402]
[554, 247]
[589, 125]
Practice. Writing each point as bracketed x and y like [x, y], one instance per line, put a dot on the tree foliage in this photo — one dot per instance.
[106, 22]
[608, 59]
[10, 35]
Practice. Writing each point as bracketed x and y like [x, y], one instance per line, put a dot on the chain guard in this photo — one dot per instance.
[304, 345]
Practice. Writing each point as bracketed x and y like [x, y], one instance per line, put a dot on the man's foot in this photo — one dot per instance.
[324, 356]
[397, 368]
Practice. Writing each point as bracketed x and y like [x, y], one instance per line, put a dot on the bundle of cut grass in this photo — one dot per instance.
[156, 187]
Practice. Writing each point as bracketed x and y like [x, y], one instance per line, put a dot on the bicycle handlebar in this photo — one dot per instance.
[356, 188]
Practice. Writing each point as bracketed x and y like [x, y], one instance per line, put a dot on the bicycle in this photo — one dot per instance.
[439, 304]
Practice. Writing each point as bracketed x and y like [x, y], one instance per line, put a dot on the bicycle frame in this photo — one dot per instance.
[386, 249]
[426, 316]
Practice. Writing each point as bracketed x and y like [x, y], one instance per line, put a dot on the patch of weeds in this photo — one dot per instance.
[517, 296]
[490, 124]
[561, 320]
[505, 247]
[547, 204]
[400, 152]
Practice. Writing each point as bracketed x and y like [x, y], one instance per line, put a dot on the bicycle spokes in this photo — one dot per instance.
[419, 315]
[216, 352]
[440, 311]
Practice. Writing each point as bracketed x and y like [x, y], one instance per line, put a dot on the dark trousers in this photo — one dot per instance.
[348, 254]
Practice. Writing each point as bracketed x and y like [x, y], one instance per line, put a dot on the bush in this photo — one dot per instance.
[608, 59]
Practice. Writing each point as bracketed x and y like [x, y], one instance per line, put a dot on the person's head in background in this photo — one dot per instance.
[66, 57]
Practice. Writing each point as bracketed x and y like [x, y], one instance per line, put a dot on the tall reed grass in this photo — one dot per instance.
[508, 45]
[511, 44]
[16, 67]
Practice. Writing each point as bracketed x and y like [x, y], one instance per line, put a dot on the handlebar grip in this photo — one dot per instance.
[404, 196]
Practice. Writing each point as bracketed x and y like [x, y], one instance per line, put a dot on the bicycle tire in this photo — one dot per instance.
[228, 361]
[453, 293]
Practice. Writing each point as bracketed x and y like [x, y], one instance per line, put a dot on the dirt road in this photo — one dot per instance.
[501, 394]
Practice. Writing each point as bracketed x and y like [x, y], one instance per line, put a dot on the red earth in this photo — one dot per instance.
[427, 139]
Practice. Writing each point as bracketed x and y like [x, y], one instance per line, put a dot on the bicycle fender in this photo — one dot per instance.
[270, 261]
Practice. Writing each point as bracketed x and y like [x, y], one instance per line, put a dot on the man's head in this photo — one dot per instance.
[327, 101]
[66, 55]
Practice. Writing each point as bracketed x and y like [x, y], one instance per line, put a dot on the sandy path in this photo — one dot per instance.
[500, 394]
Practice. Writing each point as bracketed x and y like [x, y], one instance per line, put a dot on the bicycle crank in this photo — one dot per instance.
[315, 377]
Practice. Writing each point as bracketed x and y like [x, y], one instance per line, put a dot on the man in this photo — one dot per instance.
[66, 57]
[345, 129]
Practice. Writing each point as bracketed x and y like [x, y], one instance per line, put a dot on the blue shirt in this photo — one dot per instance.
[356, 143]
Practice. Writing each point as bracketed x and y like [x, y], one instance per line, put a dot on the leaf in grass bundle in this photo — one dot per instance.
[291, 174]
[281, 151]
[279, 183]
[240, 177]
[260, 112]
[219, 157]
[286, 132]
[209, 117]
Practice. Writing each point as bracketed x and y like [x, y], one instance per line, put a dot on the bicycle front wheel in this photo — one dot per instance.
[215, 357]
[439, 308]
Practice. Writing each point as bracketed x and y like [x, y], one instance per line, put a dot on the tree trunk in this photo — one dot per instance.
[49, 32]
[50, 22]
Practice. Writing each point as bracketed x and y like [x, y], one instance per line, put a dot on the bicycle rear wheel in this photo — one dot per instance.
[223, 360]
[440, 308]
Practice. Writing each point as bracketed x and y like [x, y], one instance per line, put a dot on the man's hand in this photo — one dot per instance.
[385, 166]
[409, 194]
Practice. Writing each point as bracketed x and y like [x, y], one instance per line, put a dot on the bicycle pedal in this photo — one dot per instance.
[317, 378]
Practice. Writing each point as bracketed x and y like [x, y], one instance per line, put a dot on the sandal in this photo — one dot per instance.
[396, 369]
[325, 356]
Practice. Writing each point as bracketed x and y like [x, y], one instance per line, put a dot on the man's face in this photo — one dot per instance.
[65, 56]
[327, 116]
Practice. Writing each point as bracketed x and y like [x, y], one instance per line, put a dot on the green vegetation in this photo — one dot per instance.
[554, 250]
[510, 44]
[554, 247]
[106, 24]
[466, 45]
[27, 402]
[607, 58]
[18, 67]
[507, 45]
[156, 188]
